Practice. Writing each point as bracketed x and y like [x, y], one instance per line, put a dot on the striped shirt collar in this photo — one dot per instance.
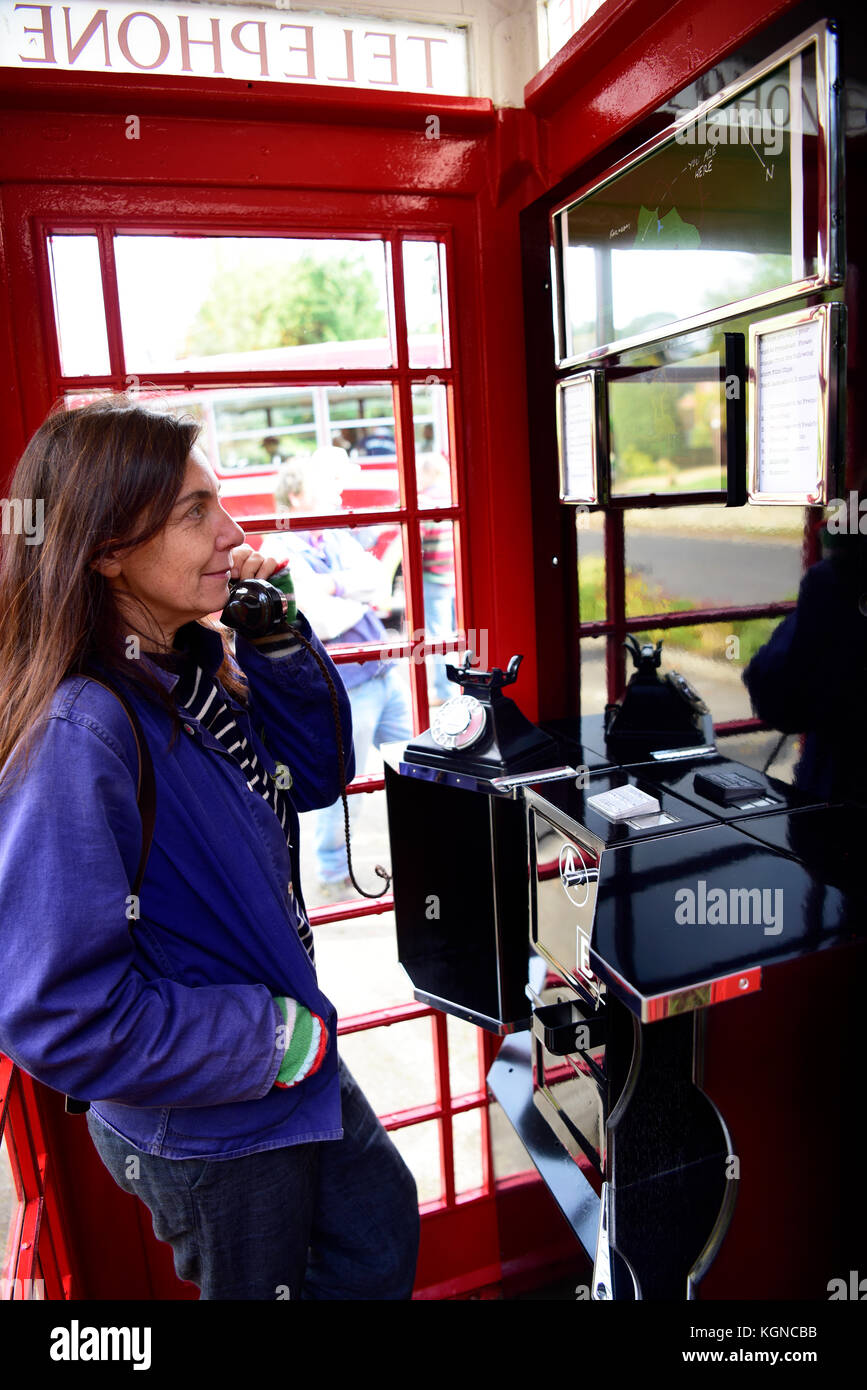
[203, 644]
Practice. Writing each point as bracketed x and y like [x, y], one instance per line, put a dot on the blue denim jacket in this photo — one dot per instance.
[167, 1023]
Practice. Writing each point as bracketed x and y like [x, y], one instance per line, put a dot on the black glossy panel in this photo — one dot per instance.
[642, 931]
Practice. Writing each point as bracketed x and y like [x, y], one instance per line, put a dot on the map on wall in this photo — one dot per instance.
[721, 210]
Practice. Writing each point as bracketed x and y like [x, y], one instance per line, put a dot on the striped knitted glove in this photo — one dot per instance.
[305, 1038]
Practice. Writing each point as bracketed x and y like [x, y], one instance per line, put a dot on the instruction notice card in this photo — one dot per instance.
[788, 404]
[578, 440]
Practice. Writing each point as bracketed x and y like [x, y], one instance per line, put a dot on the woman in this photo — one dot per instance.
[189, 1014]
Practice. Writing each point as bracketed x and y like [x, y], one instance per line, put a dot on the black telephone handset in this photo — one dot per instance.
[257, 607]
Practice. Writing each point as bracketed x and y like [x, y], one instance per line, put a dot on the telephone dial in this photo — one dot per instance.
[482, 731]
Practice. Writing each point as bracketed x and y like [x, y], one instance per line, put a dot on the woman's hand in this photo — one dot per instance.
[247, 563]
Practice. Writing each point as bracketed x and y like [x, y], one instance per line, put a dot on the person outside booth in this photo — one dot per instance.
[438, 568]
[188, 1013]
[336, 582]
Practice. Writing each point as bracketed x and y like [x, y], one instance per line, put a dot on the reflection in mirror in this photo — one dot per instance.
[721, 211]
[712, 657]
[666, 419]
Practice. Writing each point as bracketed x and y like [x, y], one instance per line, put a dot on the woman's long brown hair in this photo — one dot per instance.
[107, 475]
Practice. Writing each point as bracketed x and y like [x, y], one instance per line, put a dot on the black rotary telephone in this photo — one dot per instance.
[259, 606]
[482, 731]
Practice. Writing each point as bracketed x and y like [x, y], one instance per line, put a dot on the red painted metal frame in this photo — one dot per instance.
[43, 90]
[485, 169]
[38, 1250]
[408, 516]
[630, 57]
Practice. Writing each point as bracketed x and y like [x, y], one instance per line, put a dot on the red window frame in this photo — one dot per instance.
[37, 1252]
[407, 516]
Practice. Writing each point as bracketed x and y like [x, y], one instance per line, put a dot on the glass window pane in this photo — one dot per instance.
[594, 676]
[11, 1208]
[679, 558]
[220, 303]
[348, 581]
[467, 1140]
[666, 413]
[419, 1146]
[393, 1065]
[590, 537]
[361, 421]
[326, 480]
[73, 399]
[324, 867]
[430, 413]
[440, 617]
[439, 687]
[258, 430]
[356, 960]
[424, 289]
[464, 1043]
[79, 309]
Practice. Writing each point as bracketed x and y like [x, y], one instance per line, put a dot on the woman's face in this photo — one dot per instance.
[182, 572]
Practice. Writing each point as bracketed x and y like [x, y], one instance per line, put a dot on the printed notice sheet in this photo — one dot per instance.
[788, 400]
[578, 427]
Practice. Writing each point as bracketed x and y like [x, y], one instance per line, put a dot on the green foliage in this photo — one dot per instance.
[308, 300]
[591, 588]
[645, 417]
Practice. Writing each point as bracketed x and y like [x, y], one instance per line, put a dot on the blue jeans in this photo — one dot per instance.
[380, 714]
[331, 1220]
[439, 621]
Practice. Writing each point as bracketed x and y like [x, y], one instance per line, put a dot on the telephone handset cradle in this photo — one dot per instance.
[481, 731]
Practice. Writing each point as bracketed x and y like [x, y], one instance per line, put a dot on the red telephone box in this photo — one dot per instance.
[228, 161]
